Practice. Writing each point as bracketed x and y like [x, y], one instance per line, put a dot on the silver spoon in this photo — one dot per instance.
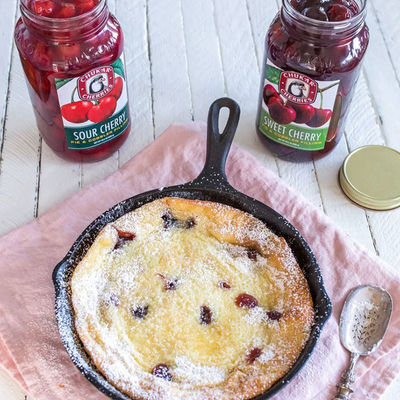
[363, 324]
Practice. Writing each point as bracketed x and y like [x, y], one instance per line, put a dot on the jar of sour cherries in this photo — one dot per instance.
[72, 55]
[314, 50]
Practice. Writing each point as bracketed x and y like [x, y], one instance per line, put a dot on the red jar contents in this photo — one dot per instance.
[60, 8]
[72, 55]
[313, 55]
[327, 10]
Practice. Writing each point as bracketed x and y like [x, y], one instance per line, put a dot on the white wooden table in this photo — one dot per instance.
[181, 55]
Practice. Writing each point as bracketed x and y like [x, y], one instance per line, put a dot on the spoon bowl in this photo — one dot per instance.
[364, 319]
[363, 323]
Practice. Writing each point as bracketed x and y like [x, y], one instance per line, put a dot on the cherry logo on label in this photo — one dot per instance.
[298, 88]
[96, 84]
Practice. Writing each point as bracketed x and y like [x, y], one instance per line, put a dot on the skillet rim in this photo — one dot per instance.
[63, 273]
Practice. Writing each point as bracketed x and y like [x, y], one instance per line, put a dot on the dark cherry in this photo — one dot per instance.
[123, 237]
[274, 315]
[304, 112]
[190, 223]
[114, 299]
[140, 311]
[321, 117]
[253, 355]
[317, 13]
[205, 315]
[339, 12]
[224, 285]
[281, 114]
[252, 254]
[169, 220]
[245, 300]
[169, 284]
[162, 371]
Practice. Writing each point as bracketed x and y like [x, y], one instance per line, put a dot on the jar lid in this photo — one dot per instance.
[370, 176]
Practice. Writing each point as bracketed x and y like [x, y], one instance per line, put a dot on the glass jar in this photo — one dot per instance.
[310, 71]
[75, 71]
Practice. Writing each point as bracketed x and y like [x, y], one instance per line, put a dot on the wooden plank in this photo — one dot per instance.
[300, 177]
[363, 129]
[139, 75]
[7, 21]
[204, 59]
[171, 87]
[350, 218]
[20, 155]
[59, 179]
[383, 84]
[241, 72]
[388, 16]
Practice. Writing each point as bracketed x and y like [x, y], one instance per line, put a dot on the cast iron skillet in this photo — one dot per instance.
[211, 185]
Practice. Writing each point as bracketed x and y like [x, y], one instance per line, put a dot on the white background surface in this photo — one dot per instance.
[181, 55]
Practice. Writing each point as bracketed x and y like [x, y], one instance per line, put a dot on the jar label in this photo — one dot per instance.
[94, 106]
[296, 110]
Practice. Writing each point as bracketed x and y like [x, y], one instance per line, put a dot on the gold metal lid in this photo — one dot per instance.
[370, 176]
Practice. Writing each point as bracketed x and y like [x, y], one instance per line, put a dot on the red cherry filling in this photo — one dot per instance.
[162, 371]
[326, 10]
[224, 285]
[190, 223]
[245, 300]
[274, 315]
[140, 311]
[253, 355]
[85, 6]
[339, 12]
[67, 10]
[44, 8]
[252, 254]
[317, 13]
[205, 315]
[123, 237]
[169, 220]
[114, 299]
[61, 9]
[169, 284]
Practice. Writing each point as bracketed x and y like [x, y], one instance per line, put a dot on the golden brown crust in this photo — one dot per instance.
[139, 301]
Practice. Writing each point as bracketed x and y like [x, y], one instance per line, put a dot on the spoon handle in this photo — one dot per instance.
[344, 388]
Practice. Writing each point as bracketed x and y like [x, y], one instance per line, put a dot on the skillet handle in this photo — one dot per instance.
[218, 144]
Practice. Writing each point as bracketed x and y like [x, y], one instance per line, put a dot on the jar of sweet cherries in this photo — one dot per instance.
[72, 55]
[313, 55]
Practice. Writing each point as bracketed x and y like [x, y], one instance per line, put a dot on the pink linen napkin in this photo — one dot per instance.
[30, 347]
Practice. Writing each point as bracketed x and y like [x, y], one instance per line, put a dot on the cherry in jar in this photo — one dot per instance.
[313, 55]
[72, 55]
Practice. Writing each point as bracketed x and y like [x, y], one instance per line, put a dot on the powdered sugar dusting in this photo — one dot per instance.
[98, 292]
[197, 374]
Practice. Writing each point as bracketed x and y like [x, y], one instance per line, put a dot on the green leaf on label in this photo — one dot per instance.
[273, 74]
[119, 68]
[61, 82]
